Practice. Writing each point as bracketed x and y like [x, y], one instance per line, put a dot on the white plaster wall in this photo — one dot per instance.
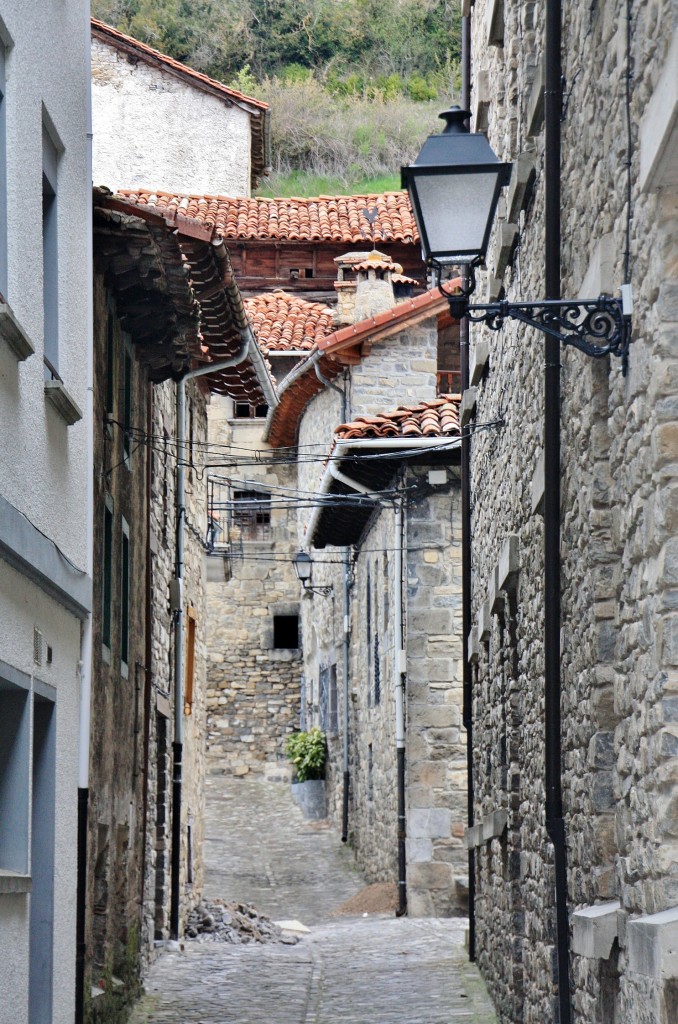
[152, 130]
[42, 461]
[23, 606]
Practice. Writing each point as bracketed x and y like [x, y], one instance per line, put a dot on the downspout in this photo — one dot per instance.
[248, 345]
[399, 688]
[148, 655]
[85, 667]
[555, 825]
[346, 778]
[346, 690]
[466, 535]
[177, 602]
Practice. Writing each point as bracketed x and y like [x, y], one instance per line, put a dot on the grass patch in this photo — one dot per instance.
[305, 184]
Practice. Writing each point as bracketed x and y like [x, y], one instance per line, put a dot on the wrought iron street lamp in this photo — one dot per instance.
[303, 567]
[454, 186]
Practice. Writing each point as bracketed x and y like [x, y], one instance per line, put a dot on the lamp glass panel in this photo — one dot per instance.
[455, 209]
[302, 567]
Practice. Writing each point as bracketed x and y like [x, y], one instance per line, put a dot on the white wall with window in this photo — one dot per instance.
[45, 585]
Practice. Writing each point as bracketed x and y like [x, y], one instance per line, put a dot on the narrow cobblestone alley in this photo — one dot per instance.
[372, 969]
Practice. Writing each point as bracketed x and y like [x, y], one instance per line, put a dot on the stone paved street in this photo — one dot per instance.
[355, 970]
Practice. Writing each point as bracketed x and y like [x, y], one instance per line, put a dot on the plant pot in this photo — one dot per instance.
[310, 796]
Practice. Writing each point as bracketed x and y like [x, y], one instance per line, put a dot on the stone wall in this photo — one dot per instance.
[129, 841]
[396, 371]
[161, 722]
[115, 848]
[619, 469]
[253, 694]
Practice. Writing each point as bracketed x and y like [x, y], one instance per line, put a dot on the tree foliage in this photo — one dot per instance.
[335, 40]
[351, 83]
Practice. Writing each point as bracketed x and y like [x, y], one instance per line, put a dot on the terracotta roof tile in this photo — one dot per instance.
[320, 219]
[284, 322]
[302, 384]
[380, 326]
[437, 418]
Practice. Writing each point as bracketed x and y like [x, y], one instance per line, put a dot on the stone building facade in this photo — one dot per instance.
[254, 656]
[133, 676]
[358, 713]
[619, 467]
[152, 332]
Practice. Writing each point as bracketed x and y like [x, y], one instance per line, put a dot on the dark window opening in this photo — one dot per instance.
[251, 513]
[286, 632]
[377, 671]
[127, 408]
[107, 593]
[246, 411]
[110, 364]
[124, 597]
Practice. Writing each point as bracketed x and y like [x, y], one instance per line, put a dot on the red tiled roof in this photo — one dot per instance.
[303, 384]
[127, 43]
[284, 322]
[385, 263]
[321, 219]
[205, 268]
[437, 418]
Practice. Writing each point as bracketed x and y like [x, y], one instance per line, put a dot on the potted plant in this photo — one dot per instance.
[308, 753]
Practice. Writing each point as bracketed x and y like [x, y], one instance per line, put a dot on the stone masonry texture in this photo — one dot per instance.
[399, 369]
[619, 490]
[375, 968]
[253, 686]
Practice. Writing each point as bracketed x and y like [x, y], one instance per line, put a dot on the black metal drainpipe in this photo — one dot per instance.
[466, 534]
[81, 901]
[555, 825]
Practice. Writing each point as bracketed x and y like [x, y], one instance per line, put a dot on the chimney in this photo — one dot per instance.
[364, 286]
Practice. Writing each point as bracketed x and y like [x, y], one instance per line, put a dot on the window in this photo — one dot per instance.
[190, 662]
[377, 671]
[245, 411]
[124, 598]
[251, 513]
[14, 776]
[50, 254]
[286, 632]
[110, 364]
[3, 177]
[106, 583]
[127, 407]
[327, 684]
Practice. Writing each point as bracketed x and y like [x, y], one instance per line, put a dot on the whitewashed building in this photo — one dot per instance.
[158, 122]
[45, 492]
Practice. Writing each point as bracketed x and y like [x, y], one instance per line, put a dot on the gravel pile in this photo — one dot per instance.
[236, 923]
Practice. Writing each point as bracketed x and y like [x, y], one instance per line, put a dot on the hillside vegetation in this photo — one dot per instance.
[354, 86]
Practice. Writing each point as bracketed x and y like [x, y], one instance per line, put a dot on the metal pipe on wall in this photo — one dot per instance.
[466, 532]
[85, 667]
[555, 824]
[346, 692]
[399, 687]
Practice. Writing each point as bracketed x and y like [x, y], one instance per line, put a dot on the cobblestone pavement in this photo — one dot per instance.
[357, 970]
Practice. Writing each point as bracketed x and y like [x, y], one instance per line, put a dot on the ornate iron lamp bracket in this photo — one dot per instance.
[597, 327]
